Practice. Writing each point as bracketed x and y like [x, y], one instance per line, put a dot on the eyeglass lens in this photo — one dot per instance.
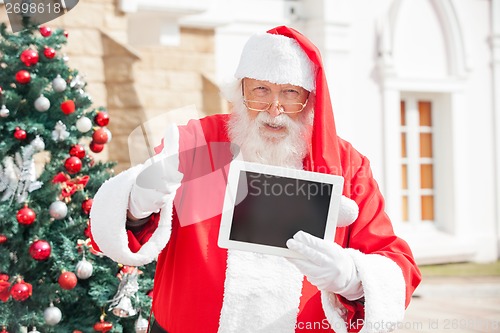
[264, 106]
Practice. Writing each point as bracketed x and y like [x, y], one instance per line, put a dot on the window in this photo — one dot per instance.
[417, 161]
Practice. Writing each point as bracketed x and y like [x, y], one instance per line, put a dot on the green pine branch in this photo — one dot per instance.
[81, 306]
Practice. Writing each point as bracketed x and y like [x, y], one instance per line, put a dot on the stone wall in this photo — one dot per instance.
[138, 85]
[176, 82]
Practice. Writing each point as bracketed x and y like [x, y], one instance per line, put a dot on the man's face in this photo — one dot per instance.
[271, 136]
[279, 100]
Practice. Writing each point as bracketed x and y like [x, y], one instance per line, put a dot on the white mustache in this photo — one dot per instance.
[281, 120]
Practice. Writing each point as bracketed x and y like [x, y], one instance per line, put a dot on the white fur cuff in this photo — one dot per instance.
[384, 288]
[108, 219]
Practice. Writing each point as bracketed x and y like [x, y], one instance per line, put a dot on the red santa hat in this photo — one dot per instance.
[283, 55]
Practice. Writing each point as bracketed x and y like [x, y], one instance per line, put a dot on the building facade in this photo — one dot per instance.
[415, 86]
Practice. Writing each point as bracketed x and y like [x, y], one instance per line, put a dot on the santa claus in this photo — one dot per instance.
[169, 210]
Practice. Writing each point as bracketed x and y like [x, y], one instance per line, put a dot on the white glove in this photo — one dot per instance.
[158, 180]
[326, 265]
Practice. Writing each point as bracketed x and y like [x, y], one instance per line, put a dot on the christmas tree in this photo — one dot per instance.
[51, 280]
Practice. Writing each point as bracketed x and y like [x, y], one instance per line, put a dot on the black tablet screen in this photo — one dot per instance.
[272, 209]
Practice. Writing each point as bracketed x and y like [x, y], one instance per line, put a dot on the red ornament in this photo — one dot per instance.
[4, 330]
[87, 205]
[100, 136]
[3, 238]
[20, 134]
[29, 57]
[77, 150]
[40, 250]
[101, 118]
[86, 232]
[23, 76]
[103, 326]
[66, 34]
[67, 280]
[73, 164]
[26, 215]
[21, 291]
[68, 107]
[4, 288]
[96, 147]
[49, 52]
[45, 31]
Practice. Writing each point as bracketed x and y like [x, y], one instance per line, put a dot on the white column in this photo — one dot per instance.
[495, 43]
[391, 131]
[392, 154]
[413, 155]
[461, 223]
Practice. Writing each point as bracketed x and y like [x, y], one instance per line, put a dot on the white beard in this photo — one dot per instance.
[258, 145]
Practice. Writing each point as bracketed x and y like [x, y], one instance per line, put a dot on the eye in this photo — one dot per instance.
[291, 93]
[260, 91]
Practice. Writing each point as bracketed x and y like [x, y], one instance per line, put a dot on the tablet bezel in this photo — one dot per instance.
[236, 167]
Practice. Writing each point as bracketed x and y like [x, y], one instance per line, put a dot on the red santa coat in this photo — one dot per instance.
[200, 287]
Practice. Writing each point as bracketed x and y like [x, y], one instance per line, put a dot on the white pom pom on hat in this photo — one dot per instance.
[348, 212]
[277, 59]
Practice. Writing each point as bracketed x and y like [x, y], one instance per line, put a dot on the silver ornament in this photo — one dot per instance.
[124, 308]
[42, 104]
[84, 269]
[4, 112]
[52, 315]
[78, 82]
[59, 133]
[84, 124]
[59, 84]
[58, 210]
[33, 330]
[38, 143]
[141, 324]
[108, 132]
[121, 305]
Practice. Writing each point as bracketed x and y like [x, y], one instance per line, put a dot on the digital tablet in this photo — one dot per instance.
[265, 205]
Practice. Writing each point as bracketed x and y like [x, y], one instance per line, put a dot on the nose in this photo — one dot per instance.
[275, 110]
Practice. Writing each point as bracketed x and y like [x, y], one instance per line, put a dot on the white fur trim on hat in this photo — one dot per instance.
[277, 59]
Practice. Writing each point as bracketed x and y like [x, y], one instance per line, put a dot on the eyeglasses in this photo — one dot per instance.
[260, 106]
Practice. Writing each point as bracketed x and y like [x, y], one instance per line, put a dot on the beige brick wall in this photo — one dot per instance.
[170, 82]
[138, 84]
